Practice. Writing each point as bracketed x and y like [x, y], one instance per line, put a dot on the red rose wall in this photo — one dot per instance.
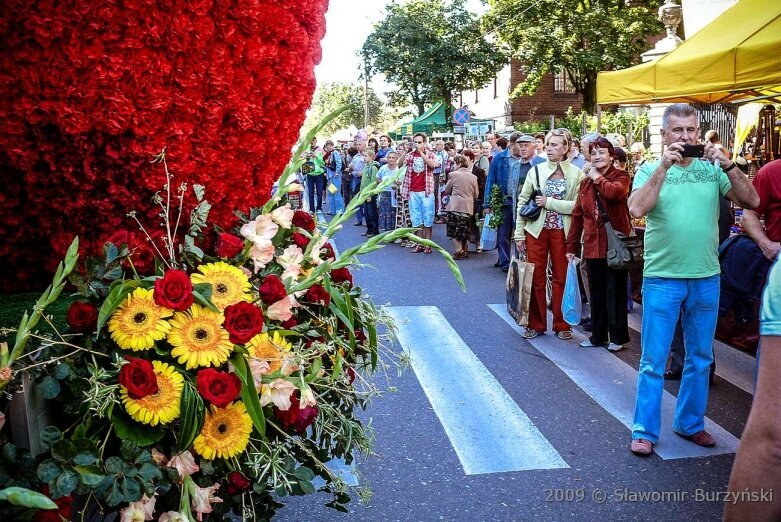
[90, 90]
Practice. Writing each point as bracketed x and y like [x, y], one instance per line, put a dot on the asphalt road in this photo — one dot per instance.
[417, 473]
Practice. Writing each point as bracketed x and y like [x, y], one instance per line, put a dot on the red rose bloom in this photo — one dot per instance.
[272, 289]
[82, 317]
[243, 321]
[300, 240]
[219, 388]
[290, 323]
[328, 250]
[174, 290]
[237, 483]
[318, 295]
[340, 275]
[63, 511]
[138, 376]
[303, 220]
[229, 245]
[296, 417]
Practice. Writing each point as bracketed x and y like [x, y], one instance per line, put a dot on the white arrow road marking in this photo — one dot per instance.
[487, 429]
[613, 385]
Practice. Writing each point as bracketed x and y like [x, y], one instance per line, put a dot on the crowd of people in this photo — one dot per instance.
[579, 186]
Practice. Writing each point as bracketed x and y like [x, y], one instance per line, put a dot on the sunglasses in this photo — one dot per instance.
[418, 142]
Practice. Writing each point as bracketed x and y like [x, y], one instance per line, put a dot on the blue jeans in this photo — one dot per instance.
[503, 235]
[355, 187]
[315, 186]
[335, 200]
[663, 300]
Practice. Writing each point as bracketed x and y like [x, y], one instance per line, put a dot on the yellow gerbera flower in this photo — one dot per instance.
[198, 338]
[139, 322]
[269, 348]
[161, 407]
[225, 432]
[229, 284]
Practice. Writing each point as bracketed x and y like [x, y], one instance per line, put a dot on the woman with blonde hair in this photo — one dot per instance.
[544, 238]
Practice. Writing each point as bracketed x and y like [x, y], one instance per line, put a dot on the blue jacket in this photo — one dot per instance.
[498, 174]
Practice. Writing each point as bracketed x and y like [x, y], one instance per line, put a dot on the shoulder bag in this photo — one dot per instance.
[530, 211]
[622, 251]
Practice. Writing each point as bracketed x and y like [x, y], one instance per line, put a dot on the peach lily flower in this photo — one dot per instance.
[283, 216]
[278, 392]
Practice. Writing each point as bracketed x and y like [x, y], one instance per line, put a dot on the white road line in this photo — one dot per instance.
[487, 429]
[613, 385]
[735, 366]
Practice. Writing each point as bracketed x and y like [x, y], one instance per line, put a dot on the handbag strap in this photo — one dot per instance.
[606, 218]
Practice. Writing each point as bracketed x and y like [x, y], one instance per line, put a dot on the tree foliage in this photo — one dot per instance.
[330, 96]
[430, 49]
[581, 37]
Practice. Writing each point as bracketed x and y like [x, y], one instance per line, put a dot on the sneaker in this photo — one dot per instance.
[613, 347]
[701, 438]
[642, 447]
[588, 344]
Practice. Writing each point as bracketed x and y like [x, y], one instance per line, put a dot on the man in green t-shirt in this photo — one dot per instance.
[679, 195]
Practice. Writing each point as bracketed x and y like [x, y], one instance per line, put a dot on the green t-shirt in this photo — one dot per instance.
[770, 316]
[682, 233]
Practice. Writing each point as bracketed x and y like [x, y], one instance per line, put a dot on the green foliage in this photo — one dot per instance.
[26, 498]
[330, 96]
[495, 203]
[430, 49]
[581, 37]
[618, 122]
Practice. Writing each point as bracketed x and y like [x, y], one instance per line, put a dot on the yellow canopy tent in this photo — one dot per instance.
[735, 57]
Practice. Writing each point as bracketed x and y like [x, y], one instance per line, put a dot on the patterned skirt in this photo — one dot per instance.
[459, 225]
[402, 213]
[387, 220]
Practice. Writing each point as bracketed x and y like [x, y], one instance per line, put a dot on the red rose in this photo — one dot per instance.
[290, 323]
[82, 317]
[300, 240]
[318, 295]
[174, 290]
[229, 245]
[63, 511]
[303, 220]
[219, 388]
[243, 321]
[138, 376]
[272, 289]
[296, 417]
[237, 483]
[340, 275]
[328, 250]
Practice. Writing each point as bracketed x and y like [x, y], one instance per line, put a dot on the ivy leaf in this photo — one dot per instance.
[63, 450]
[131, 490]
[305, 473]
[62, 371]
[115, 466]
[90, 476]
[49, 387]
[48, 470]
[114, 494]
[149, 472]
[67, 482]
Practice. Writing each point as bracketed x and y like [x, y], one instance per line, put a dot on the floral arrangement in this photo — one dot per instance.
[222, 381]
[90, 89]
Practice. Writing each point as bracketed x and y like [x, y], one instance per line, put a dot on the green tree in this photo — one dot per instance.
[330, 96]
[430, 49]
[581, 37]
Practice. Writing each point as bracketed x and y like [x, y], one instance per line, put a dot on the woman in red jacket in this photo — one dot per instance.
[608, 286]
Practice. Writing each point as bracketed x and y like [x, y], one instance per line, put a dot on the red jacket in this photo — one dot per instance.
[613, 188]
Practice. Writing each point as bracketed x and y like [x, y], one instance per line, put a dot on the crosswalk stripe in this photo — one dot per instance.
[487, 429]
[731, 365]
[613, 385]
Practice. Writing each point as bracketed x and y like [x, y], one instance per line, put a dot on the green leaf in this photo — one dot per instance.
[115, 466]
[62, 371]
[304, 473]
[67, 482]
[48, 470]
[192, 413]
[306, 487]
[63, 450]
[114, 494]
[90, 476]
[203, 301]
[27, 498]
[110, 253]
[205, 289]
[85, 458]
[49, 387]
[149, 472]
[115, 298]
[131, 490]
[9, 453]
[127, 429]
[199, 190]
[248, 393]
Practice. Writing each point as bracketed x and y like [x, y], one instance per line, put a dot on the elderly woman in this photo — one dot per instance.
[607, 186]
[463, 191]
[559, 181]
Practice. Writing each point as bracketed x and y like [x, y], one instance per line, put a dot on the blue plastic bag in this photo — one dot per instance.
[488, 236]
[571, 305]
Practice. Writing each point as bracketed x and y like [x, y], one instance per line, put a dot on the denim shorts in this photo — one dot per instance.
[421, 209]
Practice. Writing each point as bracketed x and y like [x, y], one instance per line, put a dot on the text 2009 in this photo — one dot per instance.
[565, 495]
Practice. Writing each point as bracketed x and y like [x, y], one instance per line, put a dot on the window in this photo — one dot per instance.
[562, 83]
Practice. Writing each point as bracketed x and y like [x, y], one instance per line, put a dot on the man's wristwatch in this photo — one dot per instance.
[730, 167]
